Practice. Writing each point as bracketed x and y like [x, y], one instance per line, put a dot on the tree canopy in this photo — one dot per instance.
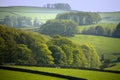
[62, 6]
[117, 31]
[61, 27]
[82, 18]
[23, 47]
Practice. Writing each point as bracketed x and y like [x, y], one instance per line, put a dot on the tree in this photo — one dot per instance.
[91, 55]
[82, 18]
[61, 27]
[116, 33]
[58, 55]
[62, 6]
[42, 54]
[23, 55]
[2, 49]
[100, 31]
[8, 21]
[36, 22]
[79, 59]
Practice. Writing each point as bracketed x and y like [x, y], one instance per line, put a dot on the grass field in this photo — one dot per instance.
[110, 17]
[116, 67]
[86, 74]
[43, 14]
[103, 45]
[14, 75]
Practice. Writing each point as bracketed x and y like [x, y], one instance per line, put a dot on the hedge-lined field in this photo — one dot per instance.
[86, 74]
[14, 75]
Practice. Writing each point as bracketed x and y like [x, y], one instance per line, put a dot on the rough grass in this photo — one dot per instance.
[14, 75]
[116, 67]
[103, 45]
[86, 74]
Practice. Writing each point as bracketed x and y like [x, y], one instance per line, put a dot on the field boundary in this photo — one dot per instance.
[41, 73]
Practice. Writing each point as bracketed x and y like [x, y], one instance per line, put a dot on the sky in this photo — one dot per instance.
[81, 5]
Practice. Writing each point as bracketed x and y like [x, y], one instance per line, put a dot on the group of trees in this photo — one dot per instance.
[20, 21]
[103, 31]
[61, 27]
[23, 47]
[82, 18]
[62, 6]
[65, 52]
[116, 33]
[98, 30]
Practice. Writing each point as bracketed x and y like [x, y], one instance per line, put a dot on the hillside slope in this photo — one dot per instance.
[104, 45]
[42, 14]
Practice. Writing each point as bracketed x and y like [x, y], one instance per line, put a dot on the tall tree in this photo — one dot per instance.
[58, 55]
[61, 27]
[8, 21]
[117, 31]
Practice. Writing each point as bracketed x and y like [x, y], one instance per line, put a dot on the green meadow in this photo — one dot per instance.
[116, 67]
[103, 45]
[110, 17]
[86, 74]
[14, 75]
[43, 14]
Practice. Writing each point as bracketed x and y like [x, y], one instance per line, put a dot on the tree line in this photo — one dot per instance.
[20, 21]
[103, 31]
[61, 27]
[81, 18]
[62, 6]
[25, 47]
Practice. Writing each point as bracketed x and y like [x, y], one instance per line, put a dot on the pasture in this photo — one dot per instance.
[103, 45]
[85, 74]
[116, 67]
[14, 75]
[43, 14]
[110, 17]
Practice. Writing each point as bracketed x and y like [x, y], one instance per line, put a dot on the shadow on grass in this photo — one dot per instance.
[41, 72]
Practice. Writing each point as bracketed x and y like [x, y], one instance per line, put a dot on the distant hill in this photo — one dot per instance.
[104, 45]
[110, 17]
[44, 14]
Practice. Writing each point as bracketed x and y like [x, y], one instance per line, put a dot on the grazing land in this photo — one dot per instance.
[103, 45]
[14, 75]
[110, 17]
[116, 67]
[43, 14]
[86, 74]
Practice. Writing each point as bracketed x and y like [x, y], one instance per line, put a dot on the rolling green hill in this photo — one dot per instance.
[85, 74]
[13, 75]
[110, 17]
[103, 45]
[42, 14]
[116, 67]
